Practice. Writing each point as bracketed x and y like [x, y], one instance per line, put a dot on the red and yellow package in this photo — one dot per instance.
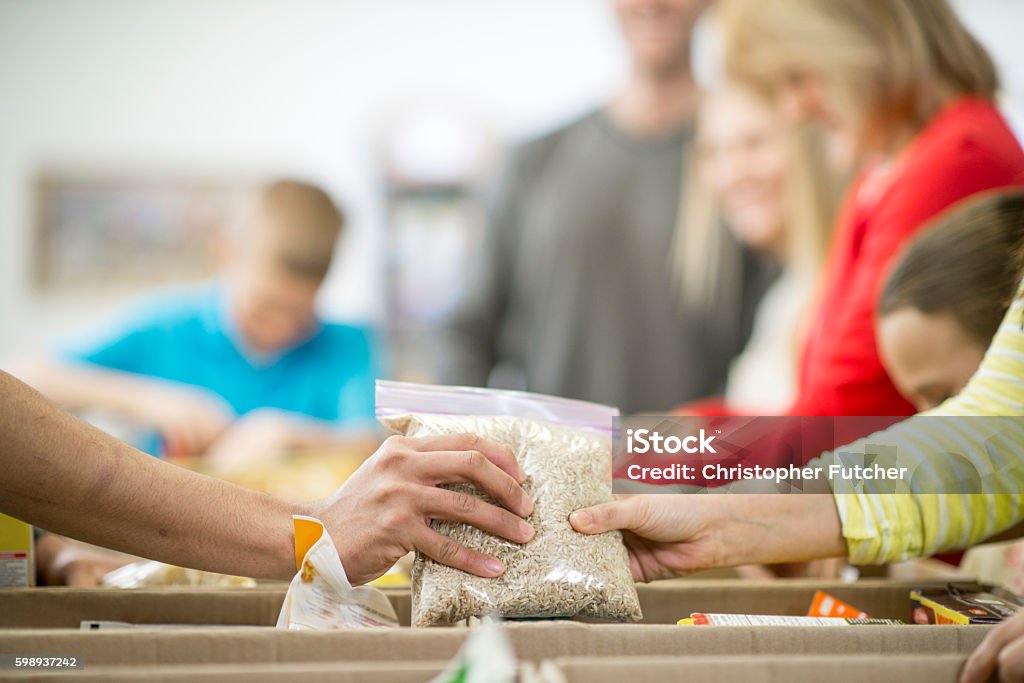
[960, 606]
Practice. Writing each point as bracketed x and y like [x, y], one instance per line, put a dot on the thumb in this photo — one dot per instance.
[618, 514]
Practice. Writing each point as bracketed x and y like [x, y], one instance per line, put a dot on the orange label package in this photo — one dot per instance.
[825, 605]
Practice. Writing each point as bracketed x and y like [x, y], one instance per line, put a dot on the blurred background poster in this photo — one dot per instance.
[123, 231]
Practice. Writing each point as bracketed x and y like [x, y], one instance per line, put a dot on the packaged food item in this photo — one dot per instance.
[703, 619]
[17, 569]
[825, 605]
[320, 596]
[564, 448]
[960, 605]
[152, 574]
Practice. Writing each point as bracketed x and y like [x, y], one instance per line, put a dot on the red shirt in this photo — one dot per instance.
[966, 148]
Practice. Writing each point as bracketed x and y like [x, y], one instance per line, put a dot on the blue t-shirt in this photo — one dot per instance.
[185, 335]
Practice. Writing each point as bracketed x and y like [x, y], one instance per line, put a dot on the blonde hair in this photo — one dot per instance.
[889, 65]
[295, 225]
[707, 258]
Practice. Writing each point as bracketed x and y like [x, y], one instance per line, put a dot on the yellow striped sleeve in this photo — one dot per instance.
[886, 527]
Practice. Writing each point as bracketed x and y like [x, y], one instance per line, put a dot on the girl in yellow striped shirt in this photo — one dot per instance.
[673, 535]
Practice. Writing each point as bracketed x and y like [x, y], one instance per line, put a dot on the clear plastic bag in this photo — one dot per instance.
[564, 448]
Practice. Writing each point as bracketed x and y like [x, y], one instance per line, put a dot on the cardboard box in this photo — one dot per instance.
[317, 672]
[697, 669]
[759, 669]
[585, 652]
[663, 602]
[531, 641]
[17, 566]
[68, 607]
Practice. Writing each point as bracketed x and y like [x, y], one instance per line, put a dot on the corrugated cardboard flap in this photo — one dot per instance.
[533, 641]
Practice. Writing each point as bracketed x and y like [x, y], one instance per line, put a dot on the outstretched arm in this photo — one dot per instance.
[981, 427]
[72, 479]
[188, 418]
[673, 535]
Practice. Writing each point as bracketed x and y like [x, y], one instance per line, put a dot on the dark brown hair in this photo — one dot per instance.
[967, 265]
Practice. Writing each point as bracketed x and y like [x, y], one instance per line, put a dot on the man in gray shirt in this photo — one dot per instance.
[574, 289]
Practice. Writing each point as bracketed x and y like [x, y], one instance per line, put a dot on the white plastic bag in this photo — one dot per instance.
[320, 596]
[564, 448]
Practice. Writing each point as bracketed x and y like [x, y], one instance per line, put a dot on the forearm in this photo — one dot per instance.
[76, 386]
[773, 528]
[674, 535]
[58, 556]
[874, 524]
[73, 479]
[882, 525]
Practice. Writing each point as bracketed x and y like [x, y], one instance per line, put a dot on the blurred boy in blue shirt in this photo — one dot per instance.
[242, 365]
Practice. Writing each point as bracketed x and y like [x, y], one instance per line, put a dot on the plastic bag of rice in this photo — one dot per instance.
[564, 448]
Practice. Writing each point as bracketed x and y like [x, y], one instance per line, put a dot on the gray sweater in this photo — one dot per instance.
[573, 287]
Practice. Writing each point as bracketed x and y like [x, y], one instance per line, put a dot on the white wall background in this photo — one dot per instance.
[292, 86]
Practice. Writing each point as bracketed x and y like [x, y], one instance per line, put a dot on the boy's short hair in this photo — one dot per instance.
[297, 227]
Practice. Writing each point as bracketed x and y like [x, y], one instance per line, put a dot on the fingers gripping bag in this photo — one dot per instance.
[564, 448]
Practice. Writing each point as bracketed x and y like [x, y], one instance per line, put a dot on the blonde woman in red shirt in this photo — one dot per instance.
[907, 93]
